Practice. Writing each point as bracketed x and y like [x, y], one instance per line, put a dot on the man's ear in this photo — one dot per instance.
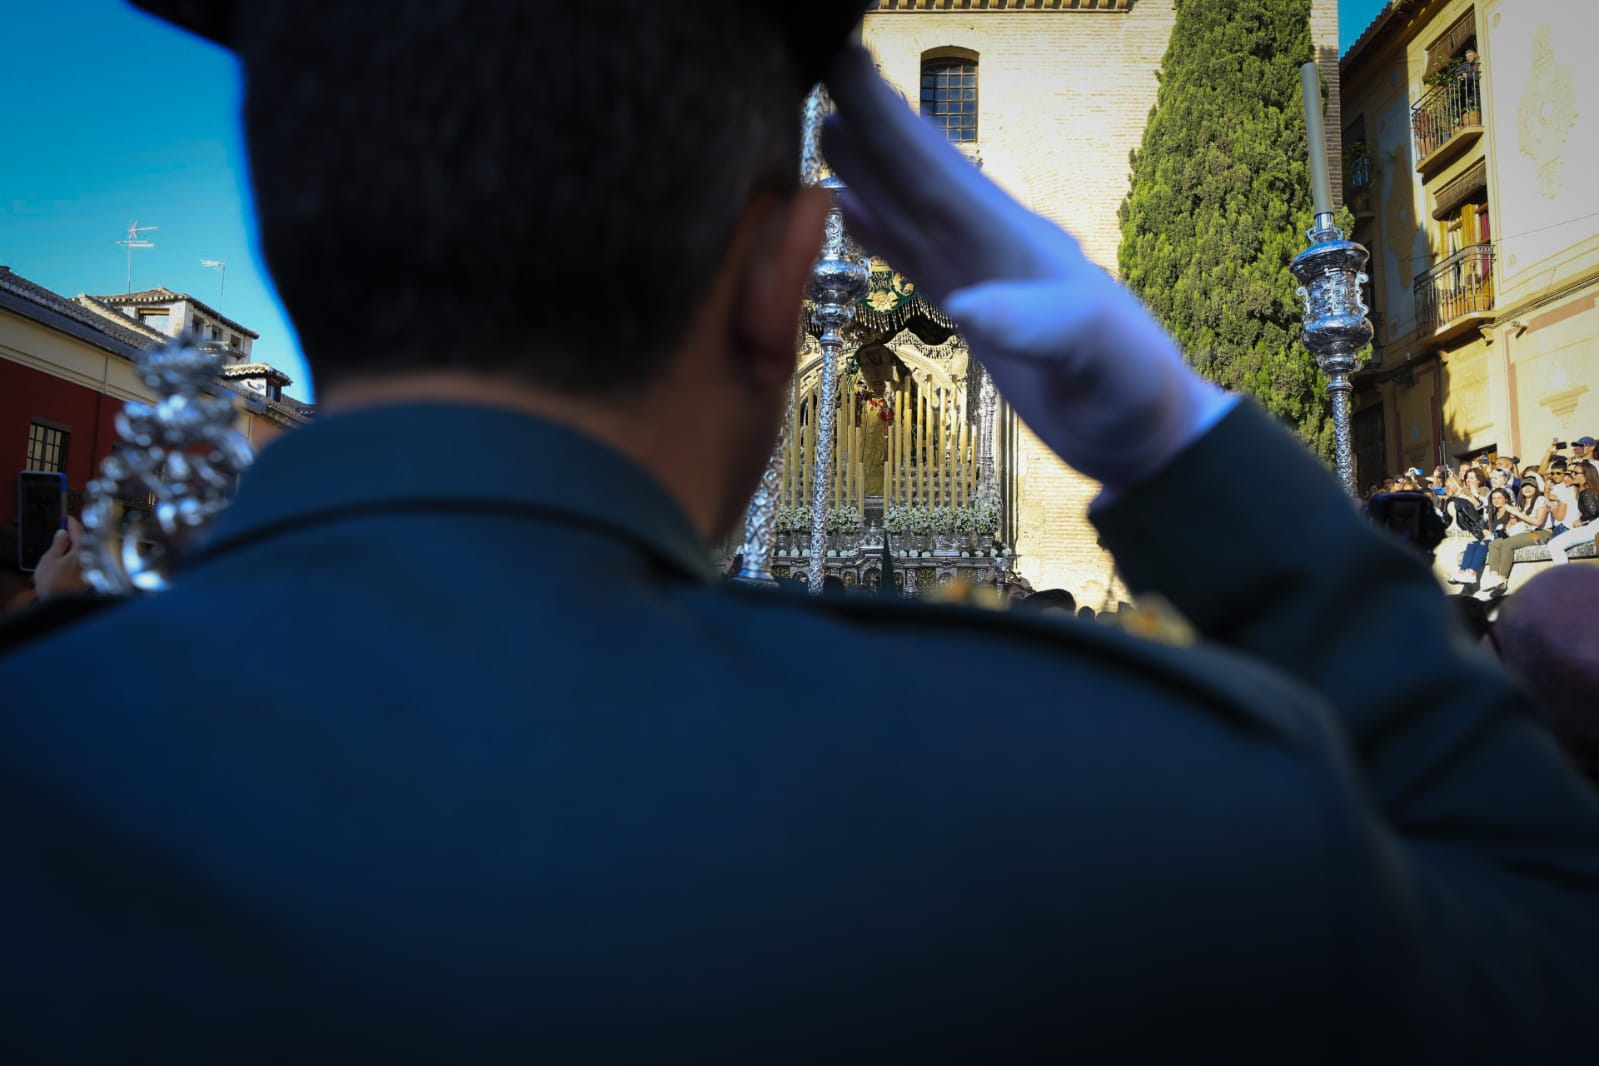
[782, 238]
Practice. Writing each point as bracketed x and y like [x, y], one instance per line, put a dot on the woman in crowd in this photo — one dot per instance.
[1496, 521]
[1530, 523]
[1466, 507]
[1474, 486]
[1584, 525]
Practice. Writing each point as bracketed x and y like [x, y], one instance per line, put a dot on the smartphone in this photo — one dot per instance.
[41, 510]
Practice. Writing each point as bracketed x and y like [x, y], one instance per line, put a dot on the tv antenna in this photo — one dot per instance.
[221, 268]
[135, 239]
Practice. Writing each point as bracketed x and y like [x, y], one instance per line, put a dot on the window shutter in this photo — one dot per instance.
[1454, 39]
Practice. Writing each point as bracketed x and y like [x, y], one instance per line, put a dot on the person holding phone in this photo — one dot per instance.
[41, 513]
[48, 538]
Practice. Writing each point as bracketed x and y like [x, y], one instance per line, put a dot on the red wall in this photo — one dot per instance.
[26, 394]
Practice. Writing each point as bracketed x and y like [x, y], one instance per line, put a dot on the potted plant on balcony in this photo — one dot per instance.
[1446, 72]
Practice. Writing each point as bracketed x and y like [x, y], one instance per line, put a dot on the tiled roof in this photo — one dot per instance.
[34, 293]
[111, 314]
[164, 295]
[237, 371]
[1378, 23]
[93, 320]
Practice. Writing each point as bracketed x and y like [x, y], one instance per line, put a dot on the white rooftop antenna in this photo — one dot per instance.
[221, 268]
[135, 239]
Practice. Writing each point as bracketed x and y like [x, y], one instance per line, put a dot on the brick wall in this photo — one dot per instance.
[1064, 96]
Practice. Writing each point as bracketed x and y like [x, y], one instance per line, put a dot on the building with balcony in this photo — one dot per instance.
[1469, 171]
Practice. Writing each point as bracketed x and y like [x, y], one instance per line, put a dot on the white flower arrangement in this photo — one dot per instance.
[981, 520]
[794, 519]
[843, 520]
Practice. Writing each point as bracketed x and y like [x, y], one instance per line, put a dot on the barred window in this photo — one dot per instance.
[949, 96]
[47, 447]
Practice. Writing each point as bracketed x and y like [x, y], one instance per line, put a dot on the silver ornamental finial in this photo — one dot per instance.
[839, 279]
[1331, 272]
[173, 473]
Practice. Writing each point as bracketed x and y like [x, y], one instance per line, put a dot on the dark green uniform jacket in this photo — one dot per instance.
[449, 749]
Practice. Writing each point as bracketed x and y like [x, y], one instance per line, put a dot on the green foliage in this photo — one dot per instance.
[1220, 202]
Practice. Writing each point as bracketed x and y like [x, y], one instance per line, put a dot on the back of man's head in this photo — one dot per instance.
[1548, 635]
[544, 190]
[1057, 600]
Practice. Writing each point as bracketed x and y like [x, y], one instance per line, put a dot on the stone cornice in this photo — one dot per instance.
[918, 7]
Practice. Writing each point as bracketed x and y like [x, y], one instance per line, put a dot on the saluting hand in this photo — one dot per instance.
[1076, 354]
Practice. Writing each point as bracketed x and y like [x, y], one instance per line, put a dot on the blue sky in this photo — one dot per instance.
[1353, 18]
[111, 117]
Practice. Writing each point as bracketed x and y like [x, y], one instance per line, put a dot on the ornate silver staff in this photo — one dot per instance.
[1331, 272]
[183, 455]
[838, 282]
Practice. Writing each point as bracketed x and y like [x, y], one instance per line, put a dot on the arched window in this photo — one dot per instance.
[949, 96]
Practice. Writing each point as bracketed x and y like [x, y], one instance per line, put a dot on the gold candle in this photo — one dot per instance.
[860, 469]
[900, 419]
[965, 485]
[924, 467]
[838, 465]
[806, 472]
[792, 459]
[906, 420]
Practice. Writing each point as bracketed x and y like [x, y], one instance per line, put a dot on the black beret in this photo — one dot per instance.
[815, 31]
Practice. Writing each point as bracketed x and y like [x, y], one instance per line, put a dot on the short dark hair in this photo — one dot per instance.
[466, 185]
[1046, 598]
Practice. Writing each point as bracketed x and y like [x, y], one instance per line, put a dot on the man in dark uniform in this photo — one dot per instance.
[449, 747]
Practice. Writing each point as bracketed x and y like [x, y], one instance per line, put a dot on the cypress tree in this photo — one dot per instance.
[1220, 201]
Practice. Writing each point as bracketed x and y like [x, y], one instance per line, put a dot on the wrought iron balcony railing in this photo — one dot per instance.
[1446, 110]
[1461, 285]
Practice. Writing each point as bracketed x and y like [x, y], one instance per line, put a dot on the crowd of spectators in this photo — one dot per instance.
[1496, 510]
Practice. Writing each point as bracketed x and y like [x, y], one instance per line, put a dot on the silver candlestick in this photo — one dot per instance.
[183, 455]
[1331, 272]
[838, 282]
[760, 521]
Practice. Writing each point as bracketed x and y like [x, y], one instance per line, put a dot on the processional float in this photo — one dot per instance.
[907, 456]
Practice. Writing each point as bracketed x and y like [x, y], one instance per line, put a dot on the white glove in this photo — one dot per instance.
[1075, 354]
